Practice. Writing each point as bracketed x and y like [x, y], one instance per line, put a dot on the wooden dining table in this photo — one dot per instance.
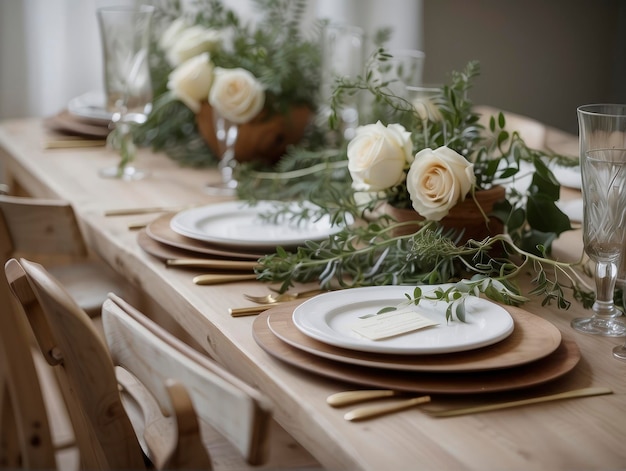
[576, 434]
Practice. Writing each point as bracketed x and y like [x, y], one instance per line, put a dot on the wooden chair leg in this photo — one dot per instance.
[10, 455]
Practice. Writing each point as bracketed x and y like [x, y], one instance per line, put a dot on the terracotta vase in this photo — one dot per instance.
[264, 138]
[465, 215]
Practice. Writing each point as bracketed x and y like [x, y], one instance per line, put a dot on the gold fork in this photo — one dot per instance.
[279, 298]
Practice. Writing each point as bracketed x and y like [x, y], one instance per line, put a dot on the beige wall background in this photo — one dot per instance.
[540, 58]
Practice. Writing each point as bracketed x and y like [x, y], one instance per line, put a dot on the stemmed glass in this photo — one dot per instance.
[226, 133]
[342, 57]
[125, 33]
[603, 164]
[404, 71]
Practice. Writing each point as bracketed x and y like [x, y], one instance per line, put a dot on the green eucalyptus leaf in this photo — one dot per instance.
[543, 215]
[544, 187]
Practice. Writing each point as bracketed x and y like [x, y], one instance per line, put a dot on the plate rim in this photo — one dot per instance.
[379, 347]
[101, 113]
[160, 231]
[217, 209]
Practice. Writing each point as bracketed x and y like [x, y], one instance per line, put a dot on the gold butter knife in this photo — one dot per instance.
[215, 264]
[214, 279]
[369, 412]
[346, 398]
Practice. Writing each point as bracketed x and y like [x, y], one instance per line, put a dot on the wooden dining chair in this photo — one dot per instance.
[71, 344]
[47, 231]
[229, 406]
[182, 382]
[26, 438]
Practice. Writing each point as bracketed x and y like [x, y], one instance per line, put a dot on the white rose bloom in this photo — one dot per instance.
[190, 82]
[170, 35]
[378, 155]
[191, 42]
[438, 180]
[236, 94]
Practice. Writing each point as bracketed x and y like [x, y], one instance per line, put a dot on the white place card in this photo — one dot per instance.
[390, 324]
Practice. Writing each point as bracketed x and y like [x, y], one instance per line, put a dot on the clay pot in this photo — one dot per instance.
[265, 138]
[465, 215]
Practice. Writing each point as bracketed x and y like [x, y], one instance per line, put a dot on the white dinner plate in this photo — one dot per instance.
[330, 318]
[568, 176]
[89, 105]
[572, 208]
[237, 224]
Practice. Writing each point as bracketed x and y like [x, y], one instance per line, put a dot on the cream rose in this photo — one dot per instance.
[170, 35]
[190, 82]
[378, 156]
[438, 180]
[236, 94]
[190, 42]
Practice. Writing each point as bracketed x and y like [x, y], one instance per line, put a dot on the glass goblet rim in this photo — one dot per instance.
[603, 109]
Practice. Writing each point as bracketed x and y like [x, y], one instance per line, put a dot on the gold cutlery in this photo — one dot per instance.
[214, 278]
[215, 264]
[73, 143]
[368, 412]
[277, 298]
[585, 392]
[361, 413]
[250, 310]
[148, 210]
[137, 226]
[253, 310]
[346, 398]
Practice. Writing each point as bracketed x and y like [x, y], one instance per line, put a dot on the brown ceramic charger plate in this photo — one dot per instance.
[160, 231]
[551, 367]
[163, 251]
[65, 122]
[533, 338]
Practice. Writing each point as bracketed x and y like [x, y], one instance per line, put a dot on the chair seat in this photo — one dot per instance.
[88, 283]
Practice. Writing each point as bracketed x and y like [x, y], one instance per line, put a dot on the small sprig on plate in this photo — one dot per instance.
[457, 294]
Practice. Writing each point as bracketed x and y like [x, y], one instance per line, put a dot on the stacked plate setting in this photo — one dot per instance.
[233, 229]
[497, 349]
[85, 116]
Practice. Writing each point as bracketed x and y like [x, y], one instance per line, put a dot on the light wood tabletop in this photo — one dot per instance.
[574, 434]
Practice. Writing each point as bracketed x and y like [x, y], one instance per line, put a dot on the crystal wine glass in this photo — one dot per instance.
[404, 71]
[603, 166]
[226, 133]
[125, 33]
[342, 58]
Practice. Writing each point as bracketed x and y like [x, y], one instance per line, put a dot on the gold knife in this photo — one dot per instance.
[214, 279]
[369, 412]
[72, 143]
[215, 264]
[585, 392]
[346, 398]
[136, 211]
[252, 310]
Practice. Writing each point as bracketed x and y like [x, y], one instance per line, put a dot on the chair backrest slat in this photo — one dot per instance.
[240, 413]
[40, 226]
[25, 438]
